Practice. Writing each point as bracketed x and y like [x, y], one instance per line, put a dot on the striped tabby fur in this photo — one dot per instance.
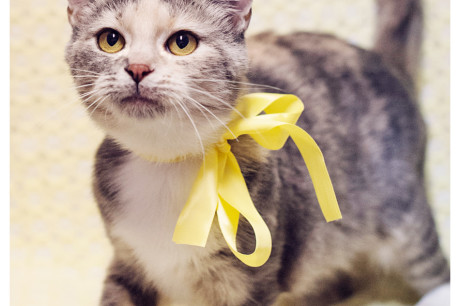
[360, 107]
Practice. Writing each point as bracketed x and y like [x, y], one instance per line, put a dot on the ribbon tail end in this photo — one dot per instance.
[335, 217]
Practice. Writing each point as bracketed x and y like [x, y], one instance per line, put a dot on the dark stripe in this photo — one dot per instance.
[427, 248]
[138, 296]
[438, 267]
[108, 157]
[332, 290]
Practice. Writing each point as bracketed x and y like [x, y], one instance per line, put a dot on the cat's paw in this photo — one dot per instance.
[440, 296]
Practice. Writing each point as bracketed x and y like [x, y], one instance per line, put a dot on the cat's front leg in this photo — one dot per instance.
[121, 289]
[115, 295]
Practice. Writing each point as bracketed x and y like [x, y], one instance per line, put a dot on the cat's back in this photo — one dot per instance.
[352, 97]
[323, 69]
[360, 109]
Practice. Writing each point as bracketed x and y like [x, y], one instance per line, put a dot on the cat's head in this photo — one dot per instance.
[160, 76]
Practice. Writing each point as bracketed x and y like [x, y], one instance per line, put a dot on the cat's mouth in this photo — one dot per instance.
[141, 107]
[138, 100]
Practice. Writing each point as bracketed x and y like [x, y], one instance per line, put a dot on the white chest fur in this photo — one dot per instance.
[152, 196]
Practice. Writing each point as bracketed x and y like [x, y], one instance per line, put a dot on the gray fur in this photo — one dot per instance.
[360, 107]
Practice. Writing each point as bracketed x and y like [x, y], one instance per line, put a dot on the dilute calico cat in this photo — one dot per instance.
[162, 78]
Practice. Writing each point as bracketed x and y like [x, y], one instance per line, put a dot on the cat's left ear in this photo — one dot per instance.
[243, 13]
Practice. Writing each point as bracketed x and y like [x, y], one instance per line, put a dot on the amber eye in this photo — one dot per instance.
[182, 43]
[110, 41]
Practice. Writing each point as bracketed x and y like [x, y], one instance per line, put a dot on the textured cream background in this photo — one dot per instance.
[58, 248]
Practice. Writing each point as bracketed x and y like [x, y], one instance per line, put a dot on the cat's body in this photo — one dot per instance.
[361, 111]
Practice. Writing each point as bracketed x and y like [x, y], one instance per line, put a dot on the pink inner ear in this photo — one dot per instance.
[77, 3]
[74, 10]
[243, 6]
[242, 13]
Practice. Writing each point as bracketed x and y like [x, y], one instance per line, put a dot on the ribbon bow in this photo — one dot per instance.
[220, 186]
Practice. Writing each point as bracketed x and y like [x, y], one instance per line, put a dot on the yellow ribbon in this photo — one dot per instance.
[220, 187]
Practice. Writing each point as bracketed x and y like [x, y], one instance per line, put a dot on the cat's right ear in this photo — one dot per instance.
[242, 14]
[74, 10]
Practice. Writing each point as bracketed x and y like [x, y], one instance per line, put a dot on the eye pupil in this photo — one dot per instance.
[182, 41]
[112, 38]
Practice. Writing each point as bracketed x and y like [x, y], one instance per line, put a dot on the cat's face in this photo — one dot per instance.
[160, 76]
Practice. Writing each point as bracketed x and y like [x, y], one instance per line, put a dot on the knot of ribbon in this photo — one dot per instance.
[220, 188]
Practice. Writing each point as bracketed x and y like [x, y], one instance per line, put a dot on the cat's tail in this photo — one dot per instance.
[399, 33]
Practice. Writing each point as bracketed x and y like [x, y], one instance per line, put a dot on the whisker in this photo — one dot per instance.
[56, 112]
[89, 93]
[171, 92]
[61, 108]
[199, 105]
[98, 104]
[238, 82]
[194, 127]
[177, 97]
[89, 71]
[85, 76]
[80, 86]
[200, 108]
[212, 114]
[83, 101]
[94, 102]
[217, 99]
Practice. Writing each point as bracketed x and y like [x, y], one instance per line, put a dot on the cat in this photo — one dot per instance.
[162, 77]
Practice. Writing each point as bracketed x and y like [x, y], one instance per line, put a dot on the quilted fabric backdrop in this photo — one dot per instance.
[58, 247]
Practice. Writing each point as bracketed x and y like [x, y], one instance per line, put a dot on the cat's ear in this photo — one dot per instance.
[243, 11]
[74, 9]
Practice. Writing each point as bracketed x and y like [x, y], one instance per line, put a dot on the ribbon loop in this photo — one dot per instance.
[220, 187]
[223, 146]
[235, 200]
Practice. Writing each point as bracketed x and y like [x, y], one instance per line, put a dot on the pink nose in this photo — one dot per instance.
[138, 71]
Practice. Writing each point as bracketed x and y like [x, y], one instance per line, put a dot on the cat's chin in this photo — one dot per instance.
[140, 107]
